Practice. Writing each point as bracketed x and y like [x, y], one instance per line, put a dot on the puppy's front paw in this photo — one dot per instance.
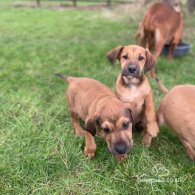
[79, 132]
[153, 129]
[146, 139]
[89, 153]
[121, 158]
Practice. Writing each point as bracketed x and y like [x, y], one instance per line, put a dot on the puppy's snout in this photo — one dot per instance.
[132, 69]
[120, 148]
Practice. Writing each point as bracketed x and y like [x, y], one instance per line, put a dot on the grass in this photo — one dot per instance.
[39, 153]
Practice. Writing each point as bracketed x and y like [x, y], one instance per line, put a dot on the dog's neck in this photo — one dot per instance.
[130, 82]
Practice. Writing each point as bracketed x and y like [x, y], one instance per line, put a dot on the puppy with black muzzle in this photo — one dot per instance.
[133, 87]
[103, 113]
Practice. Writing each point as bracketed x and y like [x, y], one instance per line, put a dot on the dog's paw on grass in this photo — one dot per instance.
[89, 153]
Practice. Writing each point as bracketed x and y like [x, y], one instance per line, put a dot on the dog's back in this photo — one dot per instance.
[177, 110]
[162, 16]
[83, 92]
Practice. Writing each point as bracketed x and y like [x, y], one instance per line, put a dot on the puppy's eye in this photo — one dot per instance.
[140, 58]
[106, 130]
[126, 125]
[125, 57]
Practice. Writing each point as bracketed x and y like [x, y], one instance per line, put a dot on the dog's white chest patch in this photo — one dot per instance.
[131, 95]
[134, 96]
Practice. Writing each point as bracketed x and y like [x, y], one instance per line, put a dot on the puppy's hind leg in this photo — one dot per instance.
[75, 120]
[74, 115]
[159, 43]
[171, 50]
[160, 116]
[190, 151]
[158, 47]
[157, 50]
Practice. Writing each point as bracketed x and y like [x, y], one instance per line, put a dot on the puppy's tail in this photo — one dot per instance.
[66, 78]
[161, 86]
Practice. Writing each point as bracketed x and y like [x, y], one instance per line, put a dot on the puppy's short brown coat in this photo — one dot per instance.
[177, 110]
[133, 87]
[103, 113]
[161, 24]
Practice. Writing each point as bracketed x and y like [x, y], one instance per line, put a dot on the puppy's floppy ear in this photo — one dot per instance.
[150, 61]
[90, 124]
[131, 115]
[114, 54]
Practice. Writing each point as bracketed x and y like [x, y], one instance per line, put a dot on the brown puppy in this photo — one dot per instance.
[161, 24]
[132, 86]
[177, 110]
[104, 114]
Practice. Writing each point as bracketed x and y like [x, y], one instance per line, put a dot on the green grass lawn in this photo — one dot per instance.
[39, 153]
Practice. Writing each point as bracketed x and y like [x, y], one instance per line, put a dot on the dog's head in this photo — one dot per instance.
[114, 122]
[134, 60]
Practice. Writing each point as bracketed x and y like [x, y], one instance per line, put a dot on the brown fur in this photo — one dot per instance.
[161, 24]
[177, 110]
[104, 114]
[134, 88]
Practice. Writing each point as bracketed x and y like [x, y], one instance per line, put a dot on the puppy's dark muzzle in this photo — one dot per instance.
[121, 148]
[131, 70]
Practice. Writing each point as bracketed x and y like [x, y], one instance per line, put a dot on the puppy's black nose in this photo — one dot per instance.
[120, 148]
[132, 69]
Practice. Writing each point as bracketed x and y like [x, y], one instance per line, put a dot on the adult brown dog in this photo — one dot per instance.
[161, 24]
[177, 110]
[133, 87]
[104, 114]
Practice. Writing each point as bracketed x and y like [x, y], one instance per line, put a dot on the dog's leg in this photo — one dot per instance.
[75, 120]
[142, 41]
[190, 151]
[149, 42]
[140, 34]
[157, 50]
[151, 123]
[146, 138]
[159, 43]
[74, 116]
[158, 47]
[153, 73]
[160, 115]
[90, 145]
[171, 50]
